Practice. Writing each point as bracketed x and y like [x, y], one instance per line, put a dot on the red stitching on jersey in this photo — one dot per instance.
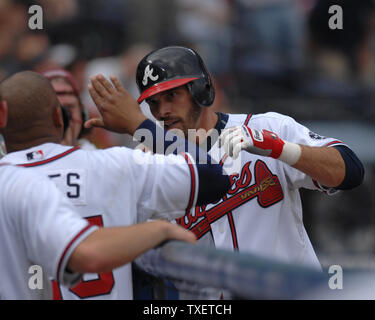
[232, 227]
[233, 230]
[240, 181]
[264, 180]
[67, 248]
[333, 142]
[247, 119]
[192, 190]
[56, 292]
[95, 287]
[203, 226]
[223, 159]
[39, 163]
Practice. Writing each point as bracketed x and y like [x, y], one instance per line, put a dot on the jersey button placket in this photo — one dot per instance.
[221, 228]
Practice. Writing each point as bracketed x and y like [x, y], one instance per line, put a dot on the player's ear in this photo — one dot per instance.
[3, 113]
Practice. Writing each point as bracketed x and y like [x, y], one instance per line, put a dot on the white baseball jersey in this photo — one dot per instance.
[32, 213]
[114, 187]
[262, 212]
[85, 144]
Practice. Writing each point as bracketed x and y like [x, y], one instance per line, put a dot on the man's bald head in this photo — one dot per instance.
[32, 105]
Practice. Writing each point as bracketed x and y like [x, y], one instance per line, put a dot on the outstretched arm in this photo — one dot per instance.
[121, 113]
[336, 167]
[109, 248]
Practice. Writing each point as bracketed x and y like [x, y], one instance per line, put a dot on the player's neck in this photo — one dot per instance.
[13, 146]
[207, 120]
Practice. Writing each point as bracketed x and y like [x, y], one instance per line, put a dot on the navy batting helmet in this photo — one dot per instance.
[171, 67]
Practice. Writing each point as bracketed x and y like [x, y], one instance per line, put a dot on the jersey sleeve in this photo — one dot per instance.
[292, 131]
[167, 185]
[156, 186]
[214, 182]
[48, 224]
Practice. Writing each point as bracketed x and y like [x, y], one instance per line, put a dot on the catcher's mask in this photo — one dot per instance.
[68, 77]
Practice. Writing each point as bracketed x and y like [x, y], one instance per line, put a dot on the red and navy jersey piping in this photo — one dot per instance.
[39, 163]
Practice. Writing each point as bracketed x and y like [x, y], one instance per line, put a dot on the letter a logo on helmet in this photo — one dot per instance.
[148, 74]
[172, 67]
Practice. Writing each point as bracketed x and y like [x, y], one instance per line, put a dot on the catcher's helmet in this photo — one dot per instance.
[171, 67]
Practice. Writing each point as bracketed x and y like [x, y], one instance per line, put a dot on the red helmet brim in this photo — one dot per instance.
[163, 86]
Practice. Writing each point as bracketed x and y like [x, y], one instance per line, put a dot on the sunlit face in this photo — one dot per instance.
[67, 97]
[176, 108]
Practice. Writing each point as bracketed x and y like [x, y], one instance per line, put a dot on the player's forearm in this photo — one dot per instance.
[322, 164]
[335, 167]
[109, 248]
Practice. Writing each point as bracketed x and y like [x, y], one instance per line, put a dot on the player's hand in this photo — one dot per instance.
[175, 232]
[119, 110]
[143, 148]
[239, 138]
[264, 143]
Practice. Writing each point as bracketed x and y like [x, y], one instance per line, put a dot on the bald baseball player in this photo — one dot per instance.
[39, 227]
[274, 155]
[112, 187]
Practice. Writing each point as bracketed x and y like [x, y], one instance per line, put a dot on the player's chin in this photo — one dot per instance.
[176, 128]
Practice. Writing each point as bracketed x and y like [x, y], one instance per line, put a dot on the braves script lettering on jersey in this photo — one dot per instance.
[262, 212]
[32, 212]
[109, 188]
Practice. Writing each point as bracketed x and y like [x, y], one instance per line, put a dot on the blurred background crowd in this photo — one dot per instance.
[265, 55]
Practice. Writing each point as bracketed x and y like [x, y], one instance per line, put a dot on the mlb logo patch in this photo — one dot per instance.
[35, 155]
[316, 136]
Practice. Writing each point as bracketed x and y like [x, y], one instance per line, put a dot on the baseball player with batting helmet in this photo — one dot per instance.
[274, 156]
[112, 187]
